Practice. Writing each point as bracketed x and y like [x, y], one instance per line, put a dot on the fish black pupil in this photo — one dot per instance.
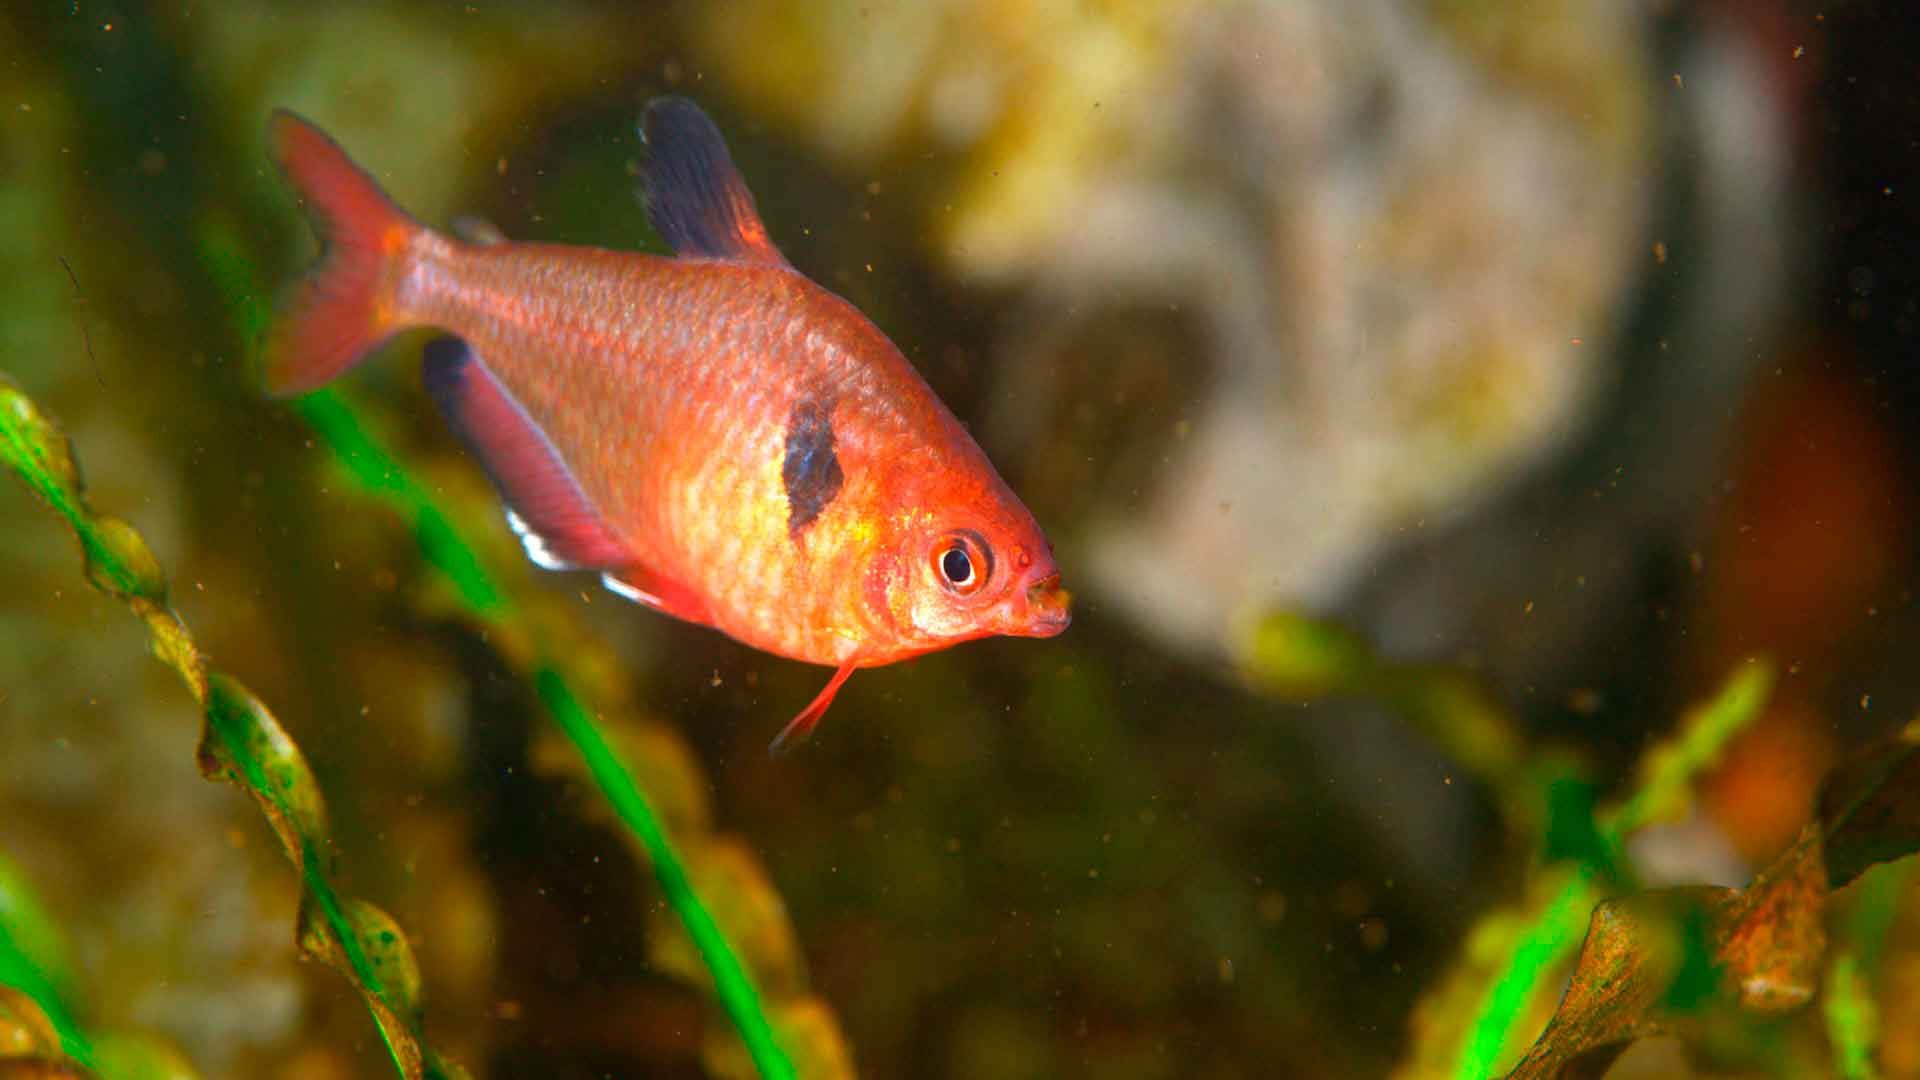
[956, 565]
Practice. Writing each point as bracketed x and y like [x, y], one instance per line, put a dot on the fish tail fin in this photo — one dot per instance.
[343, 308]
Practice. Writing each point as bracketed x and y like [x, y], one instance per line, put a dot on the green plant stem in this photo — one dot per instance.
[383, 476]
[731, 981]
[1666, 778]
[452, 556]
[1545, 944]
[241, 739]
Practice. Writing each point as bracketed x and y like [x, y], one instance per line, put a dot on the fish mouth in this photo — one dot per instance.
[1049, 608]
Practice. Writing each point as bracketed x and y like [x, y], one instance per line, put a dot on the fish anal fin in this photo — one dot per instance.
[800, 727]
[657, 591]
[695, 197]
[557, 524]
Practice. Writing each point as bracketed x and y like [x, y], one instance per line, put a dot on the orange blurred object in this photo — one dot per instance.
[1807, 541]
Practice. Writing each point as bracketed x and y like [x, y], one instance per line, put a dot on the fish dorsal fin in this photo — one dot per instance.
[695, 197]
[556, 523]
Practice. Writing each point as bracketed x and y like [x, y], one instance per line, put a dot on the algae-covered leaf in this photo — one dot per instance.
[1763, 947]
[474, 594]
[1497, 990]
[37, 450]
[1461, 1025]
[371, 942]
[1632, 953]
[1659, 962]
[241, 742]
[1870, 807]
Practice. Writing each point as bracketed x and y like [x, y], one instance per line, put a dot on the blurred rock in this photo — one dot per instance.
[1400, 233]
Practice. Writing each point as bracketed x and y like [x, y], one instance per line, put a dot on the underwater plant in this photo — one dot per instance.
[1689, 960]
[1435, 319]
[241, 743]
[245, 745]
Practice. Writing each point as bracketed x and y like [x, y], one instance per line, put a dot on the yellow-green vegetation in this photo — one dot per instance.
[1238, 297]
[1685, 961]
[241, 743]
[39, 1034]
[34, 961]
[1295, 657]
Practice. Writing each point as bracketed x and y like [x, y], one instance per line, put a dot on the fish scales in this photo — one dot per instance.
[717, 435]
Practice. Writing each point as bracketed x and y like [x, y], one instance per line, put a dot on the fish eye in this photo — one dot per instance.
[963, 562]
[958, 566]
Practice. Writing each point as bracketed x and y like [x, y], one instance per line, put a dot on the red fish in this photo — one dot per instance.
[717, 436]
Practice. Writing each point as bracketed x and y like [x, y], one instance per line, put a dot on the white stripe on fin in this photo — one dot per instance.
[556, 521]
[538, 549]
[628, 590]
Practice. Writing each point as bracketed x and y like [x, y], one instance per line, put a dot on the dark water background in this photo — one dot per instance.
[1561, 353]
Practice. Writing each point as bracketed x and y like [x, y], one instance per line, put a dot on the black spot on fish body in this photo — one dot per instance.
[811, 472]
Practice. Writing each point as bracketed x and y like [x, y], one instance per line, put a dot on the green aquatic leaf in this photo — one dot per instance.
[241, 743]
[1870, 807]
[1659, 962]
[1669, 769]
[1765, 946]
[1475, 1018]
[37, 1023]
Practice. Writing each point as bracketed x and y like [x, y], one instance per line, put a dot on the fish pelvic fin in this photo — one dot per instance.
[342, 309]
[800, 727]
[695, 197]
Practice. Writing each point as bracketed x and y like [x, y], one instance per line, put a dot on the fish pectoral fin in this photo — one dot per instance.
[695, 197]
[556, 522]
[657, 591]
[800, 727]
